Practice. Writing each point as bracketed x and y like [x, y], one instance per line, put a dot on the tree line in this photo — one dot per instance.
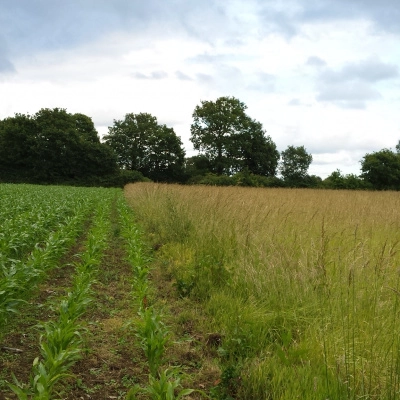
[54, 146]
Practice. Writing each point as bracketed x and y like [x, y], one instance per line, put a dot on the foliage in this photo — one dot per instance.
[231, 140]
[53, 146]
[163, 387]
[118, 179]
[243, 178]
[382, 169]
[336, 180]
[196, 168]
[153, 335]
[142, 144]
[294, 165]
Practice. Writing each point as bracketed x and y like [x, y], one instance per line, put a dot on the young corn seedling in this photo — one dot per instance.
[154, 335]
[164, 387]
[60, 348]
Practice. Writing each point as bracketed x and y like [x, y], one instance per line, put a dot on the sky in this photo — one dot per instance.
[323, 74]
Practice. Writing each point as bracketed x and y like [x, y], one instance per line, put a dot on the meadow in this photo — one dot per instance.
[168, 292]
[298, 290]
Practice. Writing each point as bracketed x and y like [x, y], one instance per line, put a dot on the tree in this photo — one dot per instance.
[231, 140]
[54, 146]
[336, 180]
[294, 165]
[197, 167]
[17, 135]
[257, 152]
[141, 144]
[382, 169]
[67, 146]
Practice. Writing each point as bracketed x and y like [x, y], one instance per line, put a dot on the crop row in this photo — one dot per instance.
[150, 330]
[61, 340]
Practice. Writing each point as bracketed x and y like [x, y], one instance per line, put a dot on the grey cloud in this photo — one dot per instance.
[155, 75]
[158, 75]
[204, 78]
[315, 61]
[348, 95]
[139, 75]
[385, 14]
[370, 70]
[275, 17]
[264, 82]
[234, 42]
[294, 102]
[207, 58]
[352, 85]
[182, 76]
[352, 91]
[30, 26]
[6, 66]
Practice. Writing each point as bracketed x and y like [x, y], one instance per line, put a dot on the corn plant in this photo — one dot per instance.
[153, 335]
[163, 387]
[136, 256]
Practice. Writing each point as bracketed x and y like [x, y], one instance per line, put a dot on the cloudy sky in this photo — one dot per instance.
[320, 73]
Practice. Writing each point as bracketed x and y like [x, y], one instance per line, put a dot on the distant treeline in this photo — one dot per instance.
[56, 147]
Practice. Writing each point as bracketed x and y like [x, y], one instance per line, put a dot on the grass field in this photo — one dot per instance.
[299, 288]
[198, 292]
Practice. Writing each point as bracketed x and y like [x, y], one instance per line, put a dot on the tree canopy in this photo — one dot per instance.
[54, 146]
[294, 165]
[231, 140]
[382, 169]
[142, 144]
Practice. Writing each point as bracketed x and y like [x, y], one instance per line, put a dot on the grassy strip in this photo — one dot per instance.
[61, 341]
[300, 287]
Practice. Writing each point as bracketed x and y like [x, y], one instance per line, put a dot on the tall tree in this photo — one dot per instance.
[257, 152]
[230, 139]
[17, 137]
[141, 144]
[382, 169]
[54, 146]
[294, 165]
[214, 126]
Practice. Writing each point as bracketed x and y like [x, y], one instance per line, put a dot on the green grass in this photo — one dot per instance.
[301, 285]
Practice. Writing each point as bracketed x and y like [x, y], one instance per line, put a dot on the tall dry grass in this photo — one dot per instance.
[303, 285]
